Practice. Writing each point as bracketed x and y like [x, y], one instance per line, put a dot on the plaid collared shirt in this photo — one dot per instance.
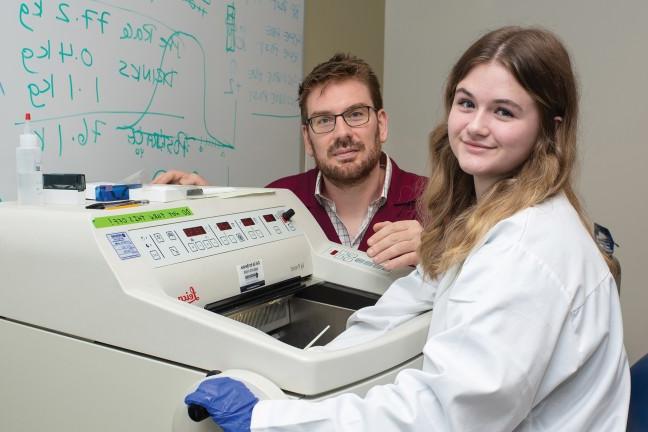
[329, 206]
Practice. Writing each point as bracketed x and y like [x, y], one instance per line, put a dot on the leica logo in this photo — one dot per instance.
[189, 296]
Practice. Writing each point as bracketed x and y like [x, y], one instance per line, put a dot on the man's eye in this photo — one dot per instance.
[323, 120]
[355, 114]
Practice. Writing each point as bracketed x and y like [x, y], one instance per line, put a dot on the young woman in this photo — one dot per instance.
[526, 333]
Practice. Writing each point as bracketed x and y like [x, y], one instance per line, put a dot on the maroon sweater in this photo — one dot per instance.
[404, 190]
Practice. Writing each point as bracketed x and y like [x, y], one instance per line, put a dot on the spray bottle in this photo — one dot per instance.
[28, 167]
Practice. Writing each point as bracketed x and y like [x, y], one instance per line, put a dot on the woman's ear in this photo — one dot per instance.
[557, 120]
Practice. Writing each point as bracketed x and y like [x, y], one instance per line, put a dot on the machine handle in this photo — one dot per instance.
[260, 387]
[198, 413]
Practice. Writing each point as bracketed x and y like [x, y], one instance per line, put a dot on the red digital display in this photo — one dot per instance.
[247, 222]
[224, 226]
[194, 231]
[269, 218]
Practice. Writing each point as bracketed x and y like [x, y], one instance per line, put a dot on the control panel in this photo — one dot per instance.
[176, 242]
[353, 257]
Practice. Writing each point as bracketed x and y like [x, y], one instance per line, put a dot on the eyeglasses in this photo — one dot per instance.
[354, 117]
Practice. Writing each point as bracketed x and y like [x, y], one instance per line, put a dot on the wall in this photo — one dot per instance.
[607, 41]
[332, 26]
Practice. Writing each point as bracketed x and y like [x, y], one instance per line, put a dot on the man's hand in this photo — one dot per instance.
[394, 244]
[180, 177]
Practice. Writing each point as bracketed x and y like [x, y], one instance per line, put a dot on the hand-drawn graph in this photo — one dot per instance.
[117, 86]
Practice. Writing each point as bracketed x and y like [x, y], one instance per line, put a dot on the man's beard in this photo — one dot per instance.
[349, 174]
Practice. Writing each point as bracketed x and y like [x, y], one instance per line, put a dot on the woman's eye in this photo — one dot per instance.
[503, 112]
[465, 103]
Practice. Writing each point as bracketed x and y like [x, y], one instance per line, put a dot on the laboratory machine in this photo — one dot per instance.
[109, 317]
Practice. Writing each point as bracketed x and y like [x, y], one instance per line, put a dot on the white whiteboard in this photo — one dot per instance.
[119, 86]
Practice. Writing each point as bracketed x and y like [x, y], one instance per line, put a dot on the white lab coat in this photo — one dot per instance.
[525, 336]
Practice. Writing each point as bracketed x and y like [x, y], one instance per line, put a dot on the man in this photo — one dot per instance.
[358, 195]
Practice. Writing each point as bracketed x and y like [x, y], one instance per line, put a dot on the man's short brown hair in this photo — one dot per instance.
[340, 67]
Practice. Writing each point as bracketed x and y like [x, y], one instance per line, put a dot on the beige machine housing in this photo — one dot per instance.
[108, 318]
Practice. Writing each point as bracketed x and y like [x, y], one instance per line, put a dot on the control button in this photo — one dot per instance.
[214, 242]
[158, 237]
[207, 244]
[171, 235]
[333, 252]
[224, 240]
[241, 237]
[346, 256]
[252, 234]
[193, 247]
[290, 226]
[287, 214]
[232, 238]
[277, 229]
[259, 233]
[174, 250]
[200, 245]
[155, 255]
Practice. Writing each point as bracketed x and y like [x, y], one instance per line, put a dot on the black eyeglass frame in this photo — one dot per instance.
[309, 121]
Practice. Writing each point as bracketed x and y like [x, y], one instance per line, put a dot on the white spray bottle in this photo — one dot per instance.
[28, 167]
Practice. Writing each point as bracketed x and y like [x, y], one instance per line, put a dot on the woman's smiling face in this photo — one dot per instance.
[493, 124]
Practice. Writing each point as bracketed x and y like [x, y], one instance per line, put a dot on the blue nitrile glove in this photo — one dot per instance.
[228, 401]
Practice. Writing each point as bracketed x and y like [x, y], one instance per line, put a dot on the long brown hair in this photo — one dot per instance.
[455, 220]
